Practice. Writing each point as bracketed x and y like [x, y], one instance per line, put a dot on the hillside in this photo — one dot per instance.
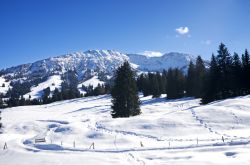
[166, 131]
[97, 64]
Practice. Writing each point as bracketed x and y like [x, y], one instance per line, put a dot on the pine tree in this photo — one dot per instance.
[199, 77]
[1, 103]
[175, 83]
[154, 84]
[46, 93]
[225, 64]
[0, 117]
[57, 95]
[236, 75]
[140, 82]
[246, 72]
[171, 90]
[161, 82]
[211, 82]
[125, 101]
[144, 84]
[190, 85]
[69, 85]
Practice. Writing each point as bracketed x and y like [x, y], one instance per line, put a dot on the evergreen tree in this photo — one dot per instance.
[161, 82]
[154, 84]
[171, 88]
[175, 83]
[0, 118]
[246, 72]
[57, 95]
[46, 93]
[236, 75]
[143, 84]
[140, 82]
[69, 85]
[224, 64]
[211, 82]
[1, 103]
[125, 101]
[200, 71]
[190, 85]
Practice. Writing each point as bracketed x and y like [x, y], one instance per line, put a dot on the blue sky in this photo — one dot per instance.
[31, 30]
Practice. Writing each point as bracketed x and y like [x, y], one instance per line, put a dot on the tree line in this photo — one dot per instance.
[69, 90]
[225, 76]
[228, 75]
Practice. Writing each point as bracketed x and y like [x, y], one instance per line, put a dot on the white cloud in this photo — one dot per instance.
[151, 53]
[182, 30]
[206, 42]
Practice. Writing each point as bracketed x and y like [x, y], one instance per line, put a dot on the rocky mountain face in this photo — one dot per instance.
[101, 63]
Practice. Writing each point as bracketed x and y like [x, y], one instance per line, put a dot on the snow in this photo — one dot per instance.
[52, 82]
[4, 90]
[94, 62]
[165, 133]
[94, 81]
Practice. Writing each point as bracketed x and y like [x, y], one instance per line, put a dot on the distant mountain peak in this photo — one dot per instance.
[99, 63]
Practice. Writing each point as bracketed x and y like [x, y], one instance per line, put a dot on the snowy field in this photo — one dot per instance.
[167, 132]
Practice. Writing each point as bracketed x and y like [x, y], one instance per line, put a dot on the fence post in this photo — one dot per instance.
[61, 143]
[169, 144]
[5, 146]
[74, 144]
[197, 141]
[222, 139]
[92, 145]
[141, 144]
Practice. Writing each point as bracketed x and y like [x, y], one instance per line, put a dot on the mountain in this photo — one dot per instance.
[156, 62]
[98, 63]
[86, 64]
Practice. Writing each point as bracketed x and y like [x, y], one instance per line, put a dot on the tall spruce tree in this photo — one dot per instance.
[190, 84]
[236, 75]
[211, 82]
[246, 72]
[154, 84]
[175, 83]
[225, 64]
[125, 101]
[0, 120]
[1, 106]
[199, 77]
[161, 82]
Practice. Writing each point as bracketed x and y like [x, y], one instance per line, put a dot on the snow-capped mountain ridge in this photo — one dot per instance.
[94, 62]
[158, 63]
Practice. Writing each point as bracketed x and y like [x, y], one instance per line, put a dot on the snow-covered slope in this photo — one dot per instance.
[4, 85]
[94, 81]
[86, 64]
[37, 91]
[93, 64]
[167, 132]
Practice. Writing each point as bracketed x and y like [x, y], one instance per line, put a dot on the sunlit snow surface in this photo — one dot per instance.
[52, 82]
[4, 85]
[165, 133]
